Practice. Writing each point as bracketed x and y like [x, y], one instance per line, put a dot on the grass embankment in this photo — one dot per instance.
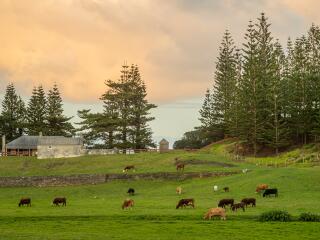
[94, 212]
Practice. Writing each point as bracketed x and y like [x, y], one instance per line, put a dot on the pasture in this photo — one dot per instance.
[94, 212]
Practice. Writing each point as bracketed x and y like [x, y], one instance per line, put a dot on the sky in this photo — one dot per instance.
[78, 44]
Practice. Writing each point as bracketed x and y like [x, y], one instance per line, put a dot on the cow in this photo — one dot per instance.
[25, 201]
[248, 201]
[215, 188]
[179, 190]
[225, 202]
[130, 191]
[180, 166]
[215, 212]
[261, 187]
[128, 203]
[59, 200]
[234, 207]
[185, 203]
[127, 168]
[226, 189]
[270, 191]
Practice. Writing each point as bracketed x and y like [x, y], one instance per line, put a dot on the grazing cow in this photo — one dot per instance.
[180, 166]
[226, 189]
[215, 188]
[245, 170]
[271, 191]
[248, 201]
[179, 190]
[59, 200]
[25, 201]
[234, 207]
[127, 168]
[130, 191]
[225, 202]
[128, 203]
[261, 187]
[185, 203]
[215, 212]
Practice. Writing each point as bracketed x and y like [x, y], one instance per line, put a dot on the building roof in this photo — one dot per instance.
[163, 141]
[31, 142]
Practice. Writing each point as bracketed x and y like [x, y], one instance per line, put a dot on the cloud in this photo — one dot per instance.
[79, 44]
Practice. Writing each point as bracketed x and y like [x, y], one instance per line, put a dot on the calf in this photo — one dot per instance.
[248, 201]
[127, 168]
[234, 207]
[225, 202]
[25, 201]
[59, 200]
[180, 166]
[271, 191]
[130, 191]
[128, 203]
[185, 203]
[215, 212]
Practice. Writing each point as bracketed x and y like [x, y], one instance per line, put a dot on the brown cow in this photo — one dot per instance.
[185, 203]
[235, 207]
[261, 187]
[215, 212]
[248, 201]
[59, 200]
[180, 166]
[127, 168]
[128, 203]
[25, 201]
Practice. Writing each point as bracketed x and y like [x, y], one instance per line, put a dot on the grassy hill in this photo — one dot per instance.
[94, 212]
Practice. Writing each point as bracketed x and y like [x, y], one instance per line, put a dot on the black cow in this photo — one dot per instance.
[25, 201]
[185, 203]
[225, 202]
[271, 191]
[60, 200]
[130, 191]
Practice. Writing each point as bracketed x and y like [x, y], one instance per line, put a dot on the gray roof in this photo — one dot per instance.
[31, 142]
[163, 141]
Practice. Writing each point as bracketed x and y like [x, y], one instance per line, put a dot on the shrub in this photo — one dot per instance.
[309, 217]
[276, 215]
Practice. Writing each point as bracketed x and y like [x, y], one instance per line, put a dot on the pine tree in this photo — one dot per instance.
[13, 114]
[58, 124]
[36, 112]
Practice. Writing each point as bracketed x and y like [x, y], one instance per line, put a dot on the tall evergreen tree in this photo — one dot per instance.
[58, 124]
[37, 112]
[13, 114]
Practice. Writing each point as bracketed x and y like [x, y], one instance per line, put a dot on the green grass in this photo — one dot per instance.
[94, 212]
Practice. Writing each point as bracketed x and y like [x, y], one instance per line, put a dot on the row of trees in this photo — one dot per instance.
[43, 113]
[125, 117]
[262, 94]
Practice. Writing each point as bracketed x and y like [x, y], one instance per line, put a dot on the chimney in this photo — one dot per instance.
[3, 144]
[40, 134]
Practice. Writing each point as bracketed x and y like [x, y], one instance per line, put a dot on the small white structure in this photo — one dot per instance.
[163, 146]
[215, 188]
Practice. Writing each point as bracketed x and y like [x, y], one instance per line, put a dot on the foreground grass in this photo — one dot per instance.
[94, 212]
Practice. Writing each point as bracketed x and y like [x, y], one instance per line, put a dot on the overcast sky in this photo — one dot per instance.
[78, 44]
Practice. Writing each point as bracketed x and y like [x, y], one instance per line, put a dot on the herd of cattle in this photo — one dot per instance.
[219, 211]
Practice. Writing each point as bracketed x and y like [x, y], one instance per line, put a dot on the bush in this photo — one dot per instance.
[281, 216]
[309, 217]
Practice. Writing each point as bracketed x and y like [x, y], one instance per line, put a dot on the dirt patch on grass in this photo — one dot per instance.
[205, 162]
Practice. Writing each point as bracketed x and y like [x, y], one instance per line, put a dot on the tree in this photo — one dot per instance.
[13, 114]
[37, 112]
[58, 124]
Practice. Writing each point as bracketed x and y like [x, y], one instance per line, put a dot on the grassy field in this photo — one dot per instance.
[94, 212]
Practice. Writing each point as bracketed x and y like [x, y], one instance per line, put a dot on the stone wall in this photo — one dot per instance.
[85, 179]
[59, 151]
